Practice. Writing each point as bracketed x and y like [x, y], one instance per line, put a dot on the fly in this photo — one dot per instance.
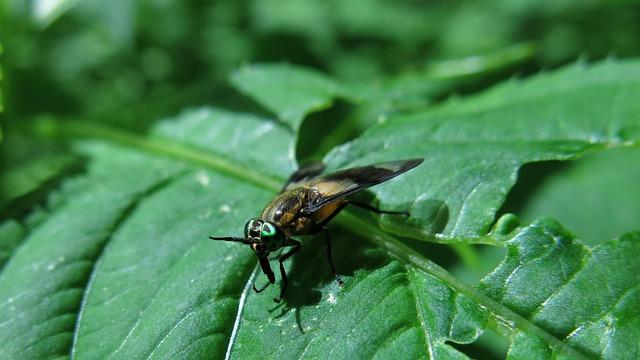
[305, 206]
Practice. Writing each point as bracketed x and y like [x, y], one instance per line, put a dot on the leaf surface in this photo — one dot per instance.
[288, 91]
[122, 268]
[585, 297]
[11, 233]
[474, 148]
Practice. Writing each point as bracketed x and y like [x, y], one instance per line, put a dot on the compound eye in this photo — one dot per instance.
[247, 228]
[268, 230]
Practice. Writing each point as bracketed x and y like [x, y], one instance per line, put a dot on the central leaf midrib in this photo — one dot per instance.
[156, 145]
[365, 228]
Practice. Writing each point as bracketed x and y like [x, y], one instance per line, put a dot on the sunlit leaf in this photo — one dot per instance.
[474, 148]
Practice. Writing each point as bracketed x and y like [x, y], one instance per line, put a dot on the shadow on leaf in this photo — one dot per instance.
[310, 274]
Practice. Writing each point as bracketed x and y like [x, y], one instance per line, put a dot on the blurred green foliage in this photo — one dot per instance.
[128, 62]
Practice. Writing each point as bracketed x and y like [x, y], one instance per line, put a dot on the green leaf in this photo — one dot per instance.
[587, 298]
[43, 283]
[474, 148]
[378, 97]
[546, 270]
[27, 177]
[607, 188]
[55, 260]
[325, 321]
[288, 91]
[122, 266]
[11, 234]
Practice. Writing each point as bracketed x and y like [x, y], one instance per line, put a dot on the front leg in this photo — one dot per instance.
[296, 247]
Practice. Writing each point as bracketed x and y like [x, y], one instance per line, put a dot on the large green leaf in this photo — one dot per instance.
[548, 278]
[78, 244]
[122, 267]
[44, 281]
[474, 148]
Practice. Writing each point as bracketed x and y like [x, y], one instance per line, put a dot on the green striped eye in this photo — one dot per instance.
[268, 230]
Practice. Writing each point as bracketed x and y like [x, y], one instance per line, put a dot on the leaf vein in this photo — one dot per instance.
[425, 332]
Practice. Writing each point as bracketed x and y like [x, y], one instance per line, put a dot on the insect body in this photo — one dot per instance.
[304, 207]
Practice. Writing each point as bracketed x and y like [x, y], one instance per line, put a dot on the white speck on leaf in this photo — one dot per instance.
[202, 178]
[225, 208]
[261, 130]
[332, 299]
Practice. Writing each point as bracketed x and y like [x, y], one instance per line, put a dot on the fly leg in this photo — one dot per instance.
[378, 211]
[283, 273]
[266, 285]
[329, 258]
[266, 269]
